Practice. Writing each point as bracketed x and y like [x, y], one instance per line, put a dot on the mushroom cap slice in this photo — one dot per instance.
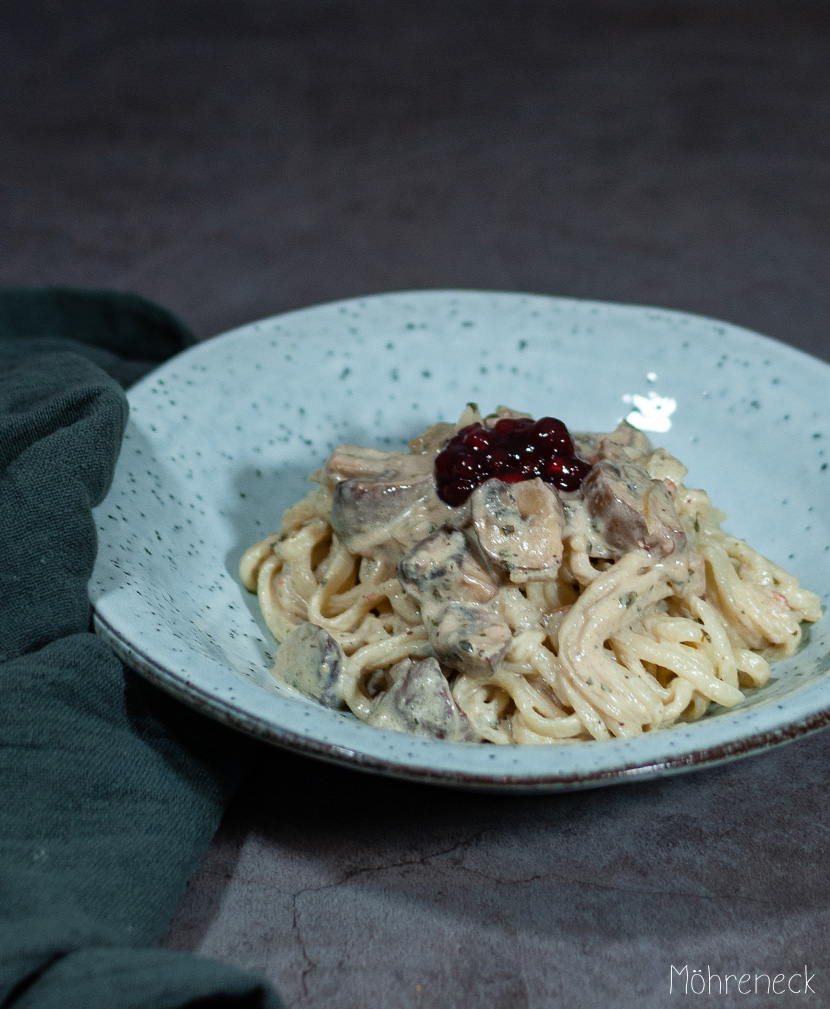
[471, 637]
[312, 662]
[625, 443]
[380, 499]
[443, 567]
[348, 461]
[364, 513]
[633, 511]
[520, 527]
[420, 701]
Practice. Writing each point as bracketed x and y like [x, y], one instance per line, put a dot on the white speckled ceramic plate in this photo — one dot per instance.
[221, 439]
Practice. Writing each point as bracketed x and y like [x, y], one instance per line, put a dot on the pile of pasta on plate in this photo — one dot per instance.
[507, 582]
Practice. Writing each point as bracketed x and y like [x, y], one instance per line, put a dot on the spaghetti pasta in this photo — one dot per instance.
[524, 615]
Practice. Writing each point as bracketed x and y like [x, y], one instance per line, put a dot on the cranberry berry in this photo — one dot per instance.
[514, 449]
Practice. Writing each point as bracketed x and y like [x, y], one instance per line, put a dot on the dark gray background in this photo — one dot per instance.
[233, 160]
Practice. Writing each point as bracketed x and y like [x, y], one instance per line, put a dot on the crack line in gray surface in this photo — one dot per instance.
[578, 881]
[421, 860]
[295, 928]
[347, 878]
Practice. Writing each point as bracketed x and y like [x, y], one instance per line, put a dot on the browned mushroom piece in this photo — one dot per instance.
[419, 700]
[364, 513]
[625, 443]
[443, 567]
[471, 637]
[457, 594]
[384, 497]
[586, 444]
[312, 662]
[520, 527]
[632, 510]
[349, 461]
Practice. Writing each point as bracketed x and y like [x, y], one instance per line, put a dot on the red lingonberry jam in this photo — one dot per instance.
[514, 449]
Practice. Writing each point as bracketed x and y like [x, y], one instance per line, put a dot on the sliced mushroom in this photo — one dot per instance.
[312, 662]
[520, 527]
[349, 461]
[363, 512]
[632, 510]
[625, 443]
[442, 568]
[471, 637]
[457, 595]
[380, 498]
[420, 701]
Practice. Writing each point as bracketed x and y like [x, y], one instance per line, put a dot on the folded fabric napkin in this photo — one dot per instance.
[110, 791]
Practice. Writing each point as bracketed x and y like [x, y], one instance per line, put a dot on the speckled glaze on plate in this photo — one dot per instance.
[221, 439]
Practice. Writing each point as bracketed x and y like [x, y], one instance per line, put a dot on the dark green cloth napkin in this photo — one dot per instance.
[110, 791]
